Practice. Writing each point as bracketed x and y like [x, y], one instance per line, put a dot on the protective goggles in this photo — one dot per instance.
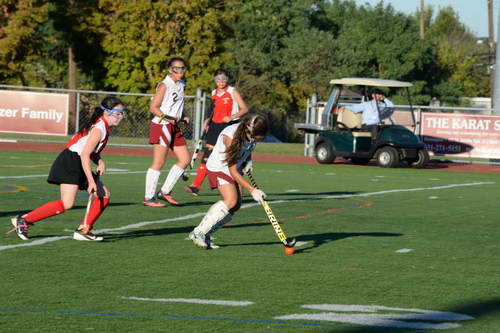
[178, 69]
[221, 78]
[116, 112]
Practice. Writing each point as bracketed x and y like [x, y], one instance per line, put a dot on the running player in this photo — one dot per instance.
[228, 107]
[167, 106]
[230, 158]
[72, 172]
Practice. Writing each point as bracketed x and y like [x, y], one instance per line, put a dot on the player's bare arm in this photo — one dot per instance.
[92, 142]
[154, 105]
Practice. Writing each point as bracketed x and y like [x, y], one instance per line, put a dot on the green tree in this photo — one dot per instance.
[459, 57]
[20, 37]
[137, 49]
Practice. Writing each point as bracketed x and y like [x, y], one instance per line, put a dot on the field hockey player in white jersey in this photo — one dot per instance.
[167, 106]
[230, 158]
[72, 171]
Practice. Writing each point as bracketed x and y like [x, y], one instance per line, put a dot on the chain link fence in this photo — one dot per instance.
[134, 128]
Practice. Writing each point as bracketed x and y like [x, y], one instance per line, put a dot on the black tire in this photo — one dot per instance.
[423, 159]
[387, 157]
[324, 153]
[360, 160]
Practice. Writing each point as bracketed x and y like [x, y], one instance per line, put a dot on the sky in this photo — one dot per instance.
[473, 13]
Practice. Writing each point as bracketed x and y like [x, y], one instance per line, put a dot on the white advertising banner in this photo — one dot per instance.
[33, 113]
[461, 134]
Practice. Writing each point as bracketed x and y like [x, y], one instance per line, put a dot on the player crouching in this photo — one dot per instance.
[231, 154]
[72, 172]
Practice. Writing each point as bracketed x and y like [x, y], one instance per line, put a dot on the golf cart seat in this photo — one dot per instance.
[352, 121]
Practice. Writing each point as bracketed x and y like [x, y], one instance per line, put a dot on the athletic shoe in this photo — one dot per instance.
[20, 227]
[168, 198]
[81, 235]
[192, 190]
[153, 203]
[210, 244]
[199, 239]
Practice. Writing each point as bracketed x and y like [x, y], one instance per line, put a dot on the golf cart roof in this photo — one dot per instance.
[358, 81]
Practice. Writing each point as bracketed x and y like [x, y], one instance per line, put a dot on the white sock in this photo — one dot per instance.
[173, 176]
[215, 214]
[152, 177]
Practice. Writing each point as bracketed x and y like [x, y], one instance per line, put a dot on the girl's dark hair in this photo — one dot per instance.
[109, 103]
[221, 71]
[256, 126]
[174, 59]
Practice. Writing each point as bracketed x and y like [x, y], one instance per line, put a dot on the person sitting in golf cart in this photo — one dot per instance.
[374, 111]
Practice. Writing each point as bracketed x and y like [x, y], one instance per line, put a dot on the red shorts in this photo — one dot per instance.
[215, 177]
[167, 135]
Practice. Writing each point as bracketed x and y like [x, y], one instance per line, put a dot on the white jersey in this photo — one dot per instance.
[79, 140]
[172, 104]
[216, 161]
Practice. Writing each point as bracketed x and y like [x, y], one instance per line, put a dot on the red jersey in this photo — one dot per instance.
[224, 104]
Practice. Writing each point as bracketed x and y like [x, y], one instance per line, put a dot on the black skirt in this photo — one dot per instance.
[67, 169]
[214, 130]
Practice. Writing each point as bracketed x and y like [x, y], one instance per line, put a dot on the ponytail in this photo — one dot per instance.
[255, 126]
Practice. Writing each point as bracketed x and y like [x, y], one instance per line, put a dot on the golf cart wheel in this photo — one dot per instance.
[360, 160]
[324, 153]
[423, 159]
[388, 157]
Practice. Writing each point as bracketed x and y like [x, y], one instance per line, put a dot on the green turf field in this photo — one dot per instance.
[378, 250]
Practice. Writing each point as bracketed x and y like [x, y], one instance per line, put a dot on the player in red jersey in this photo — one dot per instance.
[228, 107]
[72, 171]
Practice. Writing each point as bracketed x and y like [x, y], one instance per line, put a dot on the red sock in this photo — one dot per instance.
[200, 175]
[47, 210]
[96, 209]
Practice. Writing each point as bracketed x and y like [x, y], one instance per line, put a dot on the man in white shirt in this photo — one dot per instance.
[373, 111]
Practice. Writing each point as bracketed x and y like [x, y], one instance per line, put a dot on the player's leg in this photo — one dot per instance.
[153, 175]
[194, 188]
[159, 136]
[176, 171]
[217, 215]
[93, 212]
[49, 209]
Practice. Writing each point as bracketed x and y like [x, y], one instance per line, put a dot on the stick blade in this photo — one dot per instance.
[291, 242]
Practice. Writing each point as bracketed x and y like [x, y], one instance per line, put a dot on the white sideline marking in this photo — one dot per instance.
[384, 319]
[192, 300]
[117, 170]
[45, 175]
[33, 243]
[291, 190]
[404, 250]
[8, 140]
[374, 180]
[330, 174]
[433, 197]
[249, 205]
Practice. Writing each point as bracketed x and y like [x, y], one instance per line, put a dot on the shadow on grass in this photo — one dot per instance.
[320, 239]
[148, 233]
[477, 309]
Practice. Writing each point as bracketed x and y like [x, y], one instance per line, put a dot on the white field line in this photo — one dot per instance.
[45, 175]
[196, 215]
[191, 300]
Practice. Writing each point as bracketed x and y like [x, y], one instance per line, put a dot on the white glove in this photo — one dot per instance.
[258, 196]
[248, 167]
